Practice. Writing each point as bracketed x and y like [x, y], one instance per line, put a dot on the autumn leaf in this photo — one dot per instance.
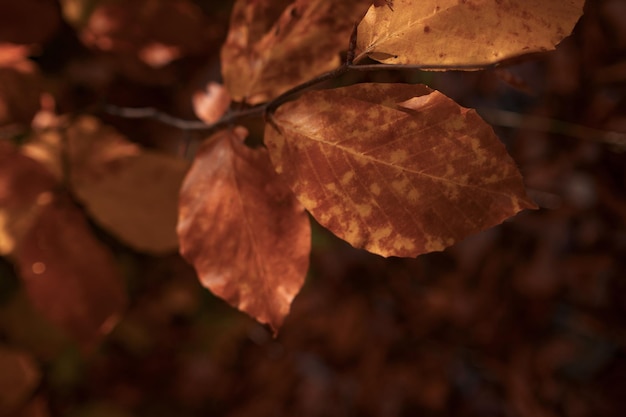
[18, 379]
[130, 191]
[266, 54]
[396, 169]
[136, 200]
[242, 228]
[20, 86]
[24, 186]
[69, 276]
[464, 32]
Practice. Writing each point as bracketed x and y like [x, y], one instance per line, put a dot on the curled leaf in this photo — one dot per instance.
[242, 228]
[397, 169]
[464, 32]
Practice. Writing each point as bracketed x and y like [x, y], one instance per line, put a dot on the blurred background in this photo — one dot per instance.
[525, 319]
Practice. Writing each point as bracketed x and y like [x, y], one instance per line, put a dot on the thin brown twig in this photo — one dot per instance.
[154, 114]
[270, 106]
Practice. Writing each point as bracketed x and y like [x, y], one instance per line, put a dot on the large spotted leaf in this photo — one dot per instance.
[396, 169]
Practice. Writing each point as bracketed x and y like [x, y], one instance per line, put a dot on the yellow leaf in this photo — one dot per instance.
[396, 169]
[463, 32]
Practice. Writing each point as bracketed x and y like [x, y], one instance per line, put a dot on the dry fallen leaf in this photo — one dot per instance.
[467, 32]
[397, 169]
[242, 228]
[266, 54]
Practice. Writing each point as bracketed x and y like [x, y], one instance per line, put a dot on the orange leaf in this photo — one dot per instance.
[24, 186]
[70, 276]
[130, 191]
[397, 169]
[467, 32]
[265, 55]
[242, 228]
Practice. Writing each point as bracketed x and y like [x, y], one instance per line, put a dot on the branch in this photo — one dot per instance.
[154, 114]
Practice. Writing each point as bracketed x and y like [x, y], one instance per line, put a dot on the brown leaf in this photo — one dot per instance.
[18, 379]
[397, 169]
[265, 55]
[130, 191]
[68, 275]
[464, 32]
[242, 228]
[136, 199]
[20, 86]
[25, 186]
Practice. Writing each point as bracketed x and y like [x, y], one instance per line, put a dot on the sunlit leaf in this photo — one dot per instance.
[266, 53]
[467, 32]
[69, 276]
[242, 228]
[396, 169]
